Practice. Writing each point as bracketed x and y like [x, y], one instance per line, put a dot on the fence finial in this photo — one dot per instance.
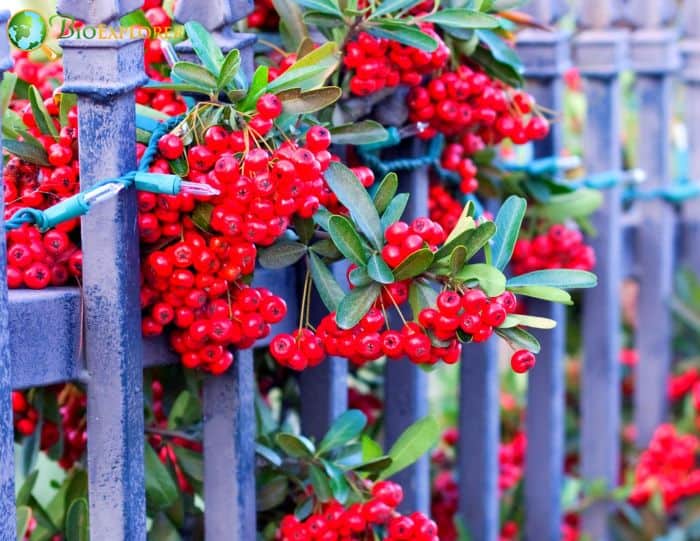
[97, 11]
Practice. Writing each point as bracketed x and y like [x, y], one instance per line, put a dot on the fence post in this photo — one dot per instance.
[546, 57]
[7, 477]
[601, 56]
[691, 80]
[406, 384]
[104, 74]
[655, 60]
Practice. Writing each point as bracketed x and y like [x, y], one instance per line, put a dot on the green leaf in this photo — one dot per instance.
[7, 88]
[354, 196]
[195, 75]
[345, 428]
[496, 69]
[324, 6]
[458, 258]
[462, 18]
[186, 411]
[576, 204]
[272, 490]
[258, 85]
[421, 295]
[77, 528]
[551, 294]
[135, 18]
[25, 492]
[41, 115]
[326, 248]
[374, 466]
[519, 339]
[536, 322]
[415, 264]
[363, 132]
[403, 33]
[508, 221]
[291, 20]
[490, 279]
[328, 289]
[417, 440]
[191, 462]
[295, 446]
[204, 46]
[560, 278]
[359, 277]
[161, 490]
[281, 254]
[391, 6]
[473, 240]
[395, 210]
[309, 72]
[371, 450]
[296, 102]
[229, 69]
[385, 192]
[320, 482]
[356, 304]
[378, 270]
[317, 18]
[500, 50]
[201, 217]
[347, 240]
[464, 223]
[268, 454]
[163, 529]
[23, 516]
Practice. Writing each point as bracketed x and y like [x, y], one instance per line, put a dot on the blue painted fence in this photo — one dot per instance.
[105, 316]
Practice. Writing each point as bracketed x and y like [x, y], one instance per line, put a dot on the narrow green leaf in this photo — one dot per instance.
[536, 322]
[229, 69]
[473, 240]
[191, 462]
[7, 88]
[201, 217]
[560, 278]
[295, 446]
[395, 210]
[326, 248]
[421, 295]
[576, 204]
[281, 254]
[551, 294]
[324, 6]
[25, 491]
[317, 18]
[378, 270]
[309, 72]
[415, 264]
[161, 490]
[135, 18]
[403, 33]
[320, 482]
[185, 411]
[41, 115]
[457, 259]
[496, 69]
[291, 20]
[519, 339]
[500, 50]
[391, 6]
[77, 528]
[508, 221]
[258, 84]
[345, 428]
[356, 304]
[328, 289]
[346, 239]
[23, 516]
[490, 279]
[462, 18]
[385, 192]
[272, 490]
[464, 222]
[359, 277]
[27, 151]
[268, 454]
[375, 466]
[204, 46]
[354, 196]
[163, 529]
[371, 450]
[417, 440]
[363, 132]
[195, 75]
[296, 102]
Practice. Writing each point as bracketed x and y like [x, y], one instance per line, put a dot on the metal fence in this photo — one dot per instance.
[93, 335]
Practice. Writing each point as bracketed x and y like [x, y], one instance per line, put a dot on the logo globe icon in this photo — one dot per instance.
[27, 30]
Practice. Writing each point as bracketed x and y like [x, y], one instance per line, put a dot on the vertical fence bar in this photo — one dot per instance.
[691, 80]
[104, 75]
[546, 57]
[7, 470]
[654, 59]
[479, 441]
[601, 56]
[406, 384]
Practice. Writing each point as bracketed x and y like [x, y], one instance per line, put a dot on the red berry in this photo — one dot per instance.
[522, 361]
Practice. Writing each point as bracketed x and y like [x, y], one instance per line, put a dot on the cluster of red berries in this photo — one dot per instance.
[668, 466]
[376, 518]
[403, 239]
[299, 350]
[468, 100]
[559, 248]
[682, 384]
[454, 159]
[379, 63]
[279, 63]
[263, 16]
[45, 76]
[443, 208]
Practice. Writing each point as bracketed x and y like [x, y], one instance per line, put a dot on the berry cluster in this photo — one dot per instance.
[379, 63]
[45, 76]
[454, 159]
[468, 100]
[376, 518]
[263, 16]
[559, 248]
[669, 466]
[404, 239]
[443, 207]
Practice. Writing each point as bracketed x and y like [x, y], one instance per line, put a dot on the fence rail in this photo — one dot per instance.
[95, 334]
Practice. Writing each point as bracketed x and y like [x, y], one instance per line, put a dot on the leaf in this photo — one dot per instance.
[462, 18]
[473, 240]
[163, 529]
[320, 482]
[385, 192]
[417, 440]
[500, 50]
[570, 205]
[363, 132]
[281, 254]
[191, 462]
[391, 6]
[559, 278]
[41, 115]
[519, 339]
[356, 304]
[309, 72]
[551, 294]
[508, 221]
[328, 289]
[186, 411]
[296, 102]
[295, 446]
[354, 196]
[258, 85]
[378, 270]
[291, 19]
[23, 516]
[77, 521]
[464, 223]
[268, 454]
[359, 277]
[421, 295]
[161, 490]
[415, 264]
[324, 6]
[326, 248]
[271, 491]
[457, 259]
[395, 210]
[375, 466]
[229, 69]
[195, 75]
[25, 492]
[317, 18]
[371, 450]
[405, 34]
[201, 216]
[536, 322]
[346, 239]
[204, 46]
[499, 70]
[490, 279]
[7, 89]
